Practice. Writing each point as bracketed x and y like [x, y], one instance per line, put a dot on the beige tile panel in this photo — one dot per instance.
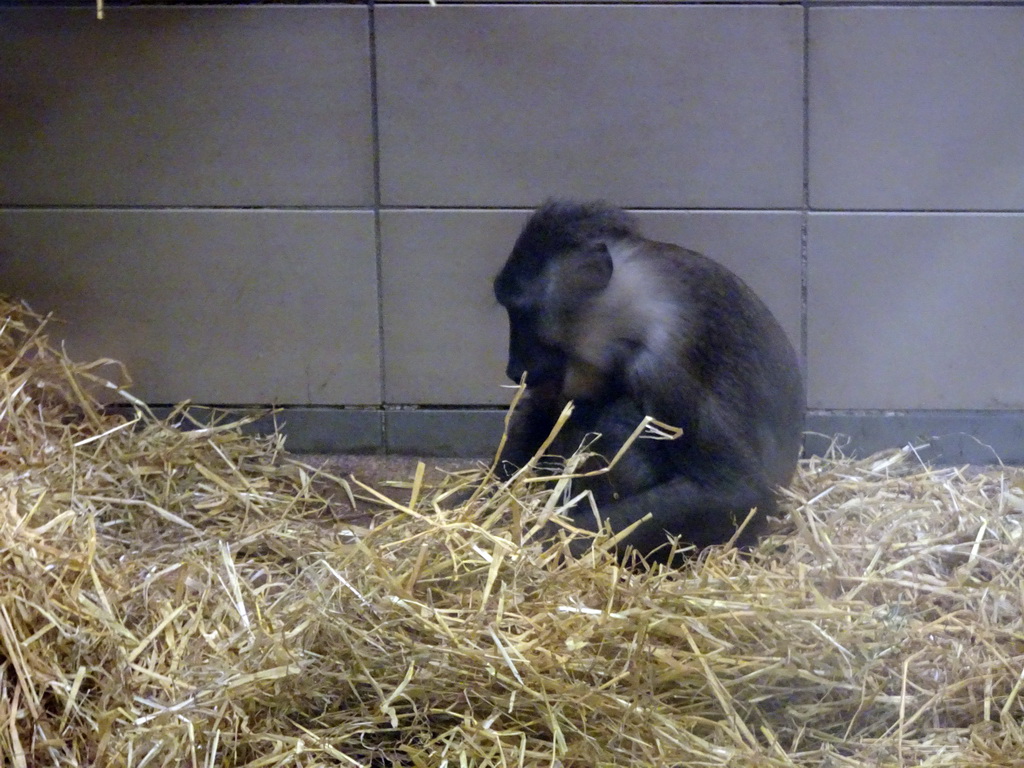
[445, 336]
[916, 311]
[217, 306]
[917, 108]
[185, 106]
[650, 105]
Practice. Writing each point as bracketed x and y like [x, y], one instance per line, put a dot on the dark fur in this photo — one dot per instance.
[629, 327]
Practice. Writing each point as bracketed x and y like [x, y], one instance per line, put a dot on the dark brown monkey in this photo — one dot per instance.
[627, 327]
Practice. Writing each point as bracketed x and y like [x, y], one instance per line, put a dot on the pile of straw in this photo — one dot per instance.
[173, 597]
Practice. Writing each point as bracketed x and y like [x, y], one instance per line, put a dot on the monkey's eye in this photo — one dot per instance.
[508, 289]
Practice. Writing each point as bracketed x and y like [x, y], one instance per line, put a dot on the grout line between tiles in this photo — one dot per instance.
[375, 208]
[378, 244]
[804, 216]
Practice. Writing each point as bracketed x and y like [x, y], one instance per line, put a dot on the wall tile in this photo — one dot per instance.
[325, 430]
[427, 432]
[185, 106]
[651, 106]
[915, 311]
[917, 108]
[223, 307]
[940, 438]
[445, 337]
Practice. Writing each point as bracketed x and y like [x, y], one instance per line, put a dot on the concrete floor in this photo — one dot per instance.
[378, 472]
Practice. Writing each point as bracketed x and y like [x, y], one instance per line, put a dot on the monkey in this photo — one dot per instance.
[627, 327]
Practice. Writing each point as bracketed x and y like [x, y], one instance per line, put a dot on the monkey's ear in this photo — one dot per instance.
[588, 270]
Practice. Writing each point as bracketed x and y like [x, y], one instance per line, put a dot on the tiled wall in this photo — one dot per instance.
[304, 204]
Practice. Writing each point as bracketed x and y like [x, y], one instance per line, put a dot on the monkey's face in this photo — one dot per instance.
[519, 290]
[548, 300]
[529, 352]
[547, 364]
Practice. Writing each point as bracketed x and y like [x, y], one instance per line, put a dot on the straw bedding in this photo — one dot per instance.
[191, 597]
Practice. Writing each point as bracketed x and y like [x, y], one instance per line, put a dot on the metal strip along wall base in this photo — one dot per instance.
[941, 437]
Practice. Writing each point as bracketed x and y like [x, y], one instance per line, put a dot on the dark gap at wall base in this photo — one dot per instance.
[942, 438]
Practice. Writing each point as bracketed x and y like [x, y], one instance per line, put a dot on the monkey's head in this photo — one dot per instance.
[559, 267]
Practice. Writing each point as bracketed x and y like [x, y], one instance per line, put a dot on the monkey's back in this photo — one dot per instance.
[737, 378]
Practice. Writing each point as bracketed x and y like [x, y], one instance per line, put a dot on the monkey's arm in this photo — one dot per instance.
[700, 513]
[530, 425]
